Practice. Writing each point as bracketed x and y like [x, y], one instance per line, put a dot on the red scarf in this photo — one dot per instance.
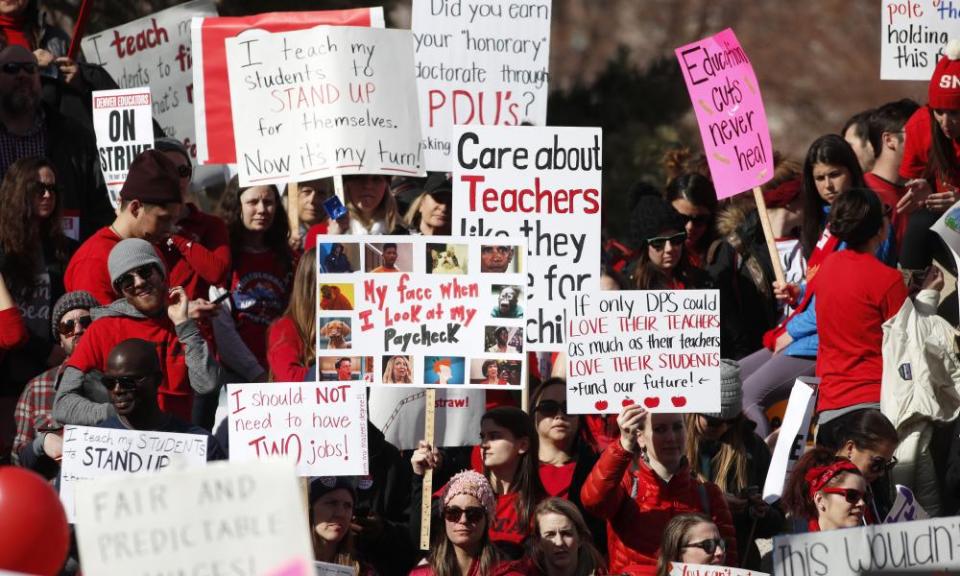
[13, 27]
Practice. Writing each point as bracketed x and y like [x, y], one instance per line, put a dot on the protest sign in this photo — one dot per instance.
[906, 547]
[400, 415]
[155, 51]
[733, 124]
[94, 452]
[479, 62]
[214, 122]
[543, 184]
[679, 569]
[948, 228]
[428, 311]
[326, 569]
[320, 426]
[657, 348]
[912, 36]
[237, 518]
[331, 100]
[124, 126]
[792, 438]
[905, 507]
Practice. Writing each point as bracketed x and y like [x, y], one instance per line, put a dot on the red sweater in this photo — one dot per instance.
[284, 351]
[856, 294]
[261, 287]
[918, 145]
[890, 194]
[13, 332]
[88, 270]
[198, 255]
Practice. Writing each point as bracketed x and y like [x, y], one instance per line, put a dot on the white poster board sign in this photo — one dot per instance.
[792, 438]
[90, 453]
[543, 184]
[155, 51]
[905, 507]
[434, 311]
[401, 413]
[680, 569]
[320, 426]
[656, 348]
[236, 518]
[479, 63]
[123, 122]
[329, 100]
[948, 227]
[912, 36]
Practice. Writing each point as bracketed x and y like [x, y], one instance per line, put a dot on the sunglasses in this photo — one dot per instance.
[550, 408]
[851, 495]
[17, 67]
[699, 220]
[42, 187]
[184, 170]
[125, 282]
[454, 513]
[878, 465]
[660, 242]
[68, 327]
[715, 422]
[125, 382]
[709, 546]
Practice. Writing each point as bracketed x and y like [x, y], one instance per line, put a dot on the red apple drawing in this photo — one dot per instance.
[601, 405]
[651, 402]
[627, 402]
[679, 401]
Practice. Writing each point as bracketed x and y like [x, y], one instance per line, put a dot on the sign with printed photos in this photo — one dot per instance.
[428, 311]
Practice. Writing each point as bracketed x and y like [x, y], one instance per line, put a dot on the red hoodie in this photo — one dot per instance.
[88, 270]
[197, 256]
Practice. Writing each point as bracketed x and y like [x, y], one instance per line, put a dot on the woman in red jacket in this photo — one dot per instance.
[291, 340]
[642, 481]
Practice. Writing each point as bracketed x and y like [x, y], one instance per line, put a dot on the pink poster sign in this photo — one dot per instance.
[733, 125]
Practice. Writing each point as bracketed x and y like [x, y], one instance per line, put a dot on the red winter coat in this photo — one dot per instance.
[637, 505]
[284, 351]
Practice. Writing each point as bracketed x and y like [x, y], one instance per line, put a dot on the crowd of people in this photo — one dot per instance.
[135, 316]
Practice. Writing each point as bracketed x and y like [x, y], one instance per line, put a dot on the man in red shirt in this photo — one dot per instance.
[150, 200]
[887, 139]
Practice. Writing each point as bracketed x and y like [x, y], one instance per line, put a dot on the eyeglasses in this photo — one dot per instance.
[851, 495]
[699, 220]
[42, 187]
[125, 282]
[13, 68]
[68, 327]
[709, 546]
[550, 408]
[125, 382]
[184, 170]
[454, 513]
[878, 465]
[659, 242]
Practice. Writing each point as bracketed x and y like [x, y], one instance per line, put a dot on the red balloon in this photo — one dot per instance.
[34, 535]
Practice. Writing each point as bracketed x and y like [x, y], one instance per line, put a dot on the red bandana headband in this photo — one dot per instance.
[818, 476]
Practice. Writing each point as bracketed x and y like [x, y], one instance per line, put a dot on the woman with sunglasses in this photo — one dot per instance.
[693, 197]
[723, 448]
[828, 491]
[660, 237]
[690, 539]
[643, 480]
[562, 543]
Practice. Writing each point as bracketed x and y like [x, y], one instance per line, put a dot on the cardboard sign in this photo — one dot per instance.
[543, 184]
[658, 348]
[792, 438]
[214, 123]
[400, 415]
[905, 507]
[124, 126]
[428, 311]
[479, 62]
[95, 452]
[155, 51]
[228, 518]
[680, 569]
[332, 100]
[733, 124]
[320, 426]
[913, 34]
[919, 547]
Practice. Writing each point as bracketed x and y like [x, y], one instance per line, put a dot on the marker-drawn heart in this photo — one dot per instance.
[601, 405]
[651, 402]
[679, 401]
[627, 402]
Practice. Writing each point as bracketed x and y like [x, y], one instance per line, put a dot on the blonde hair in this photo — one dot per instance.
[388, 370]
[302, 307]
[387, 210]
[732, 455]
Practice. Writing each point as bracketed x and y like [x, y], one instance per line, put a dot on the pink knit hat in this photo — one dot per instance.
[944, 90]
[473, 484]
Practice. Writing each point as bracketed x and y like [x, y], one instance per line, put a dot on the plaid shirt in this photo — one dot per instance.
[14, 147]
[34, 410]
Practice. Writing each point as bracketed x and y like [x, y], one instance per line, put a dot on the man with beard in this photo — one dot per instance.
[29, 128]
[153, 312]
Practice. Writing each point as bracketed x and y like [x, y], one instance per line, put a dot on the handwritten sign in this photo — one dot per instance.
[733, 124]
[327, 569]
[95, 452]
[124, 126]
[679, 569]
[214, 122]
[905, 507]
[321, 427]
[658, 348]
[792, 438]
[479, 62]
[155, 51]
[916, 547]
[912, 36]
[423, 321]
[400, 414]
[543, 184]
[227, 518]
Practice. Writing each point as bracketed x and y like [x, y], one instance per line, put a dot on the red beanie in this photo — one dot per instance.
[945, 83]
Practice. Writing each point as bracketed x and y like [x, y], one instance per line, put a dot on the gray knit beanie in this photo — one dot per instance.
[131, 254]
[70, 301]
[731, 391]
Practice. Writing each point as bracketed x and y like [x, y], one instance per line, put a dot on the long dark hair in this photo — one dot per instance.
[829, 149]
[943, 164]
[275, 238]
[867, 429]
[674, 536]
[443, 555]
[698, 190]
[20, 236]
[796, 494]
[526, 481]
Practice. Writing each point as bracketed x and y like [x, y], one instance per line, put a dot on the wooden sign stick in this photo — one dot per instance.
[768, 234]
[426, 497]
[293, 210]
